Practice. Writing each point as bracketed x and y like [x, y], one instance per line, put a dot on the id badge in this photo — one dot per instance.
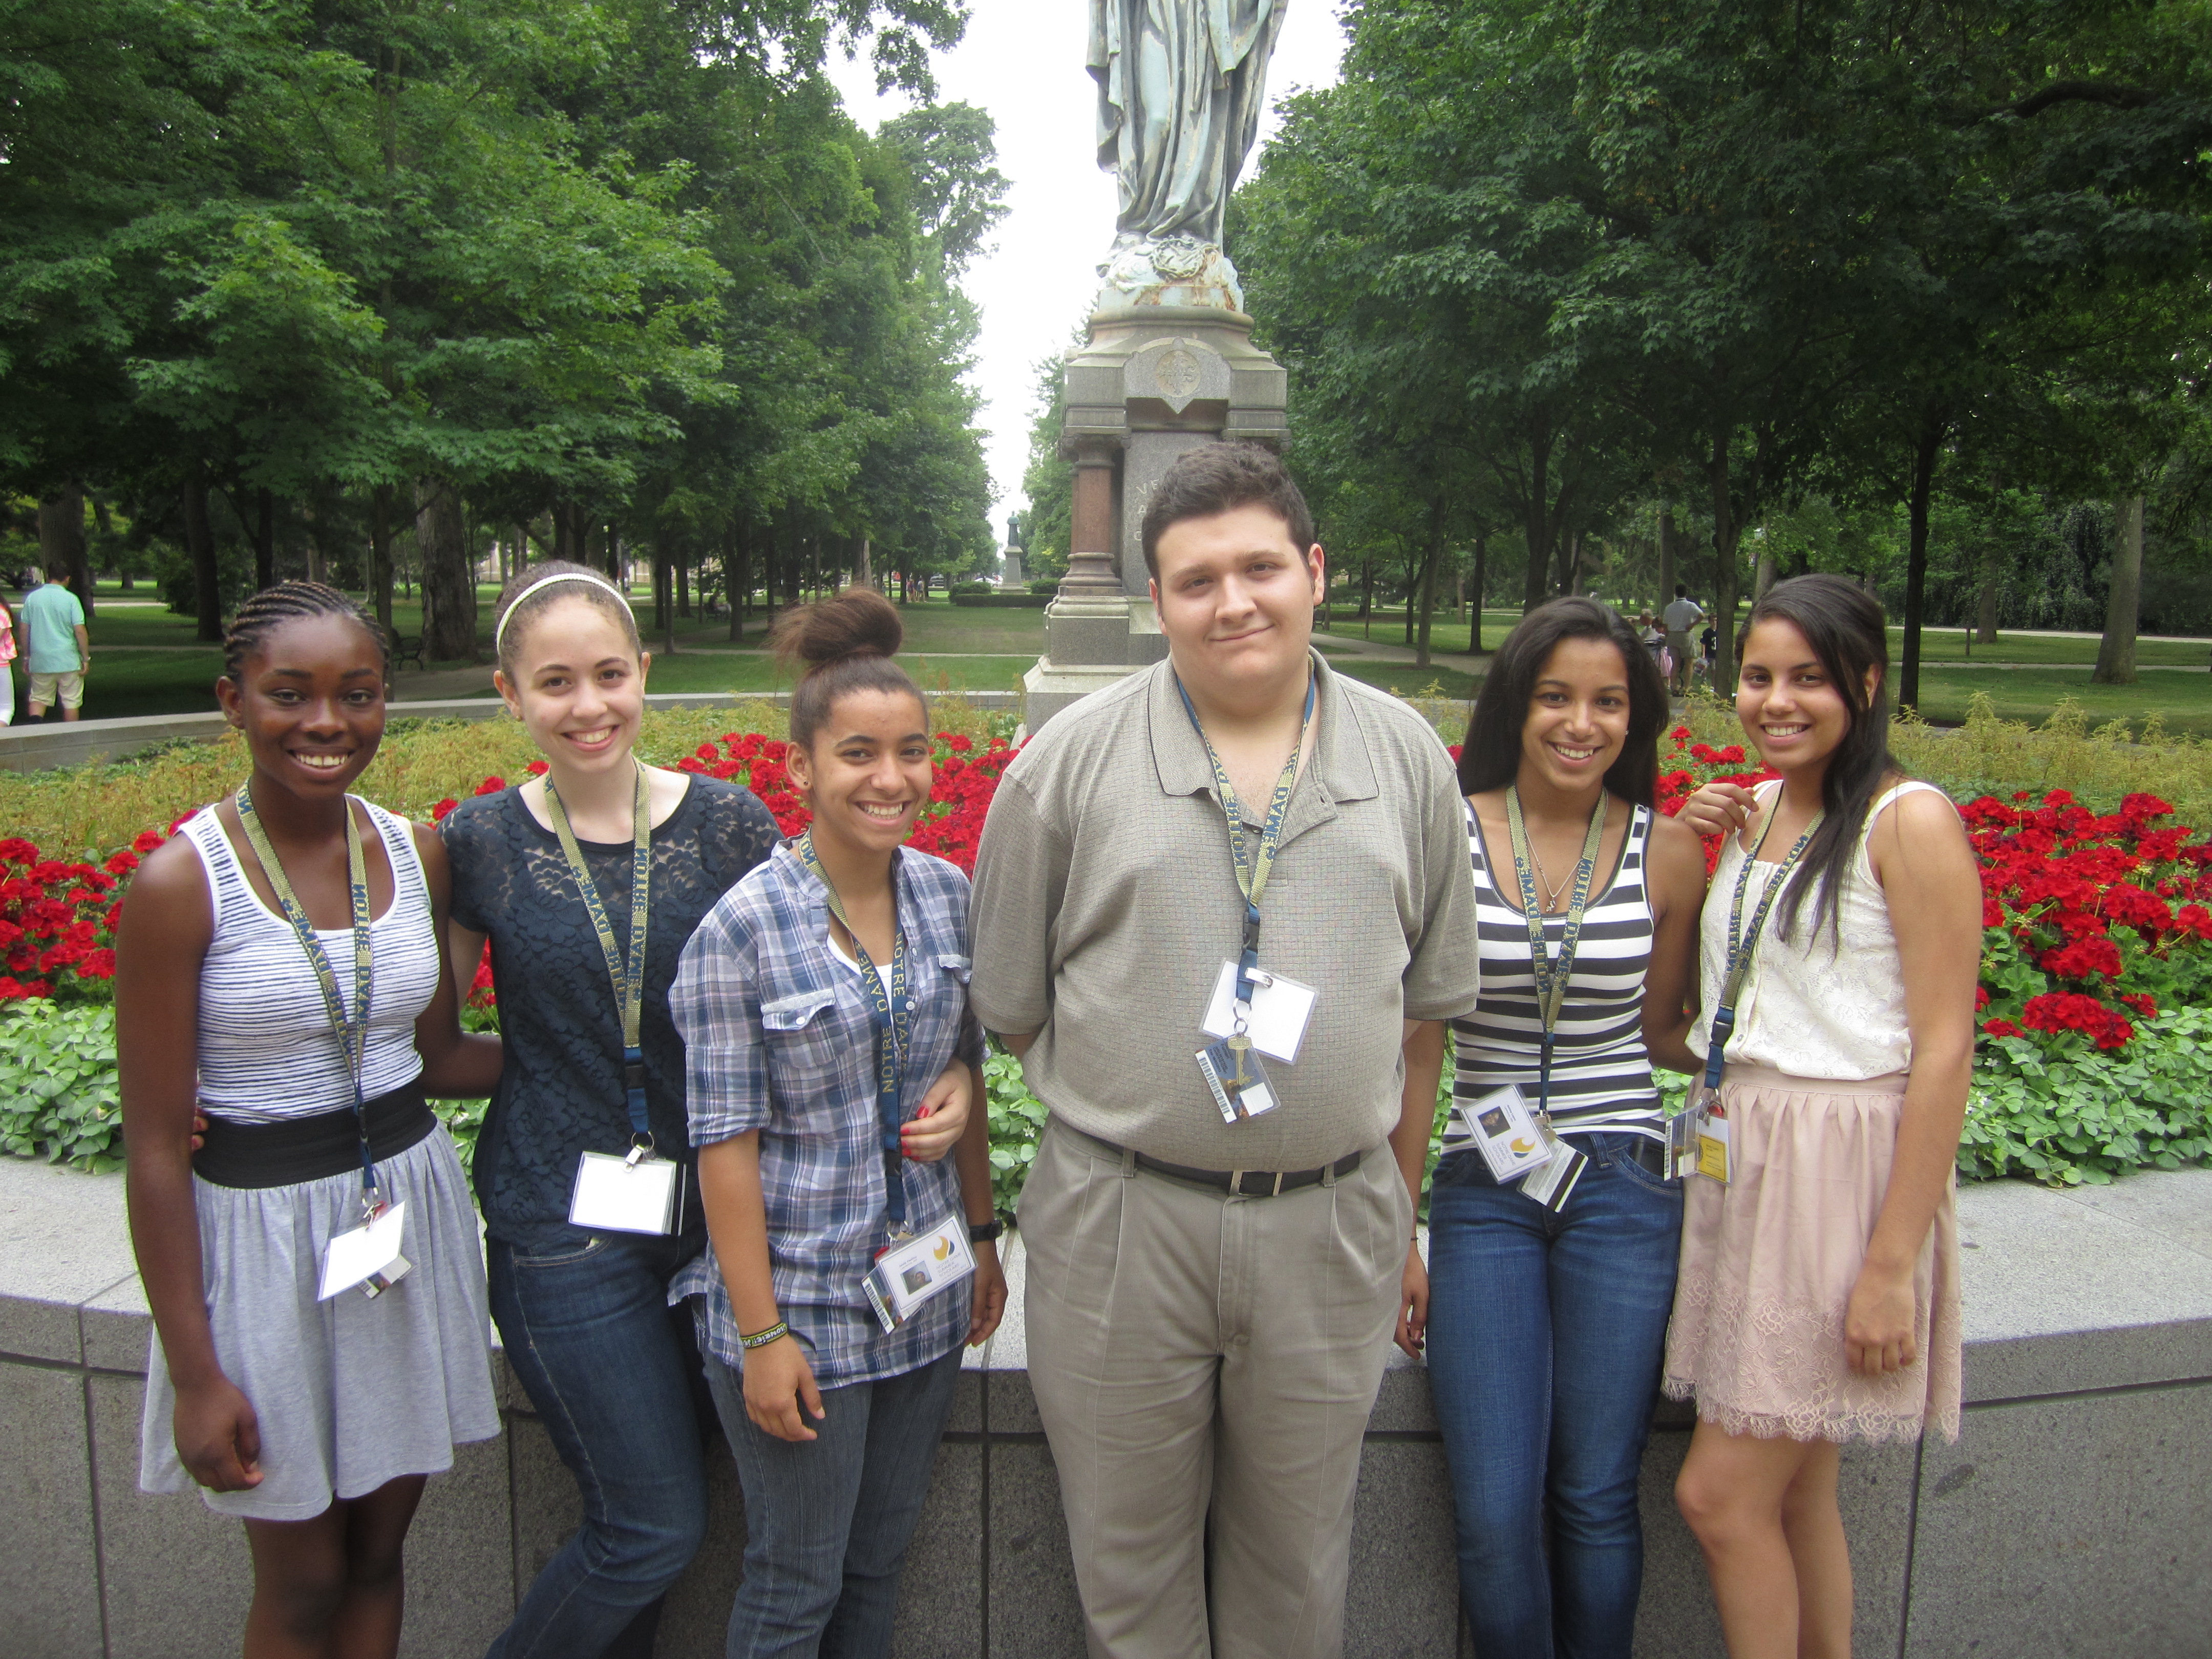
[1714, 1149]
[1512, 1143]
[626, 1194]
[367, 1256]
[1281, 1008]
[1682, 1138]
[909, 1274]
[1237, 1079]
[1553, 1184]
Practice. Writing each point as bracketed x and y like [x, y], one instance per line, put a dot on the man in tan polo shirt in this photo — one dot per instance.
[1209, 1302]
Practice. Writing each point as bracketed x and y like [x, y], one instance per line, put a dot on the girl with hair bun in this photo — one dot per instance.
[817, 1000]
[278, 971]
[1819, 1298]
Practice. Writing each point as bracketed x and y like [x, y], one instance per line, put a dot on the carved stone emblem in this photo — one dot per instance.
[1179, 374]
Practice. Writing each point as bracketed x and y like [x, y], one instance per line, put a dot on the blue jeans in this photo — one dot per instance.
[614, 1374]
[1546, 1337]
[828, 1520]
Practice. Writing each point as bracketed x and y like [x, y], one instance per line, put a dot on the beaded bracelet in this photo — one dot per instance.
[761, 1339]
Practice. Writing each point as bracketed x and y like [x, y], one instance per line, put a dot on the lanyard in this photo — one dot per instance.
[1254, 865]
[1743, 940]
[1551, 977]
[627, 978]
[352, 1034]
[892, 1009]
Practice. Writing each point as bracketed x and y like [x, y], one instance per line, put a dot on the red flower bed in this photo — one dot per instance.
[2093, 922]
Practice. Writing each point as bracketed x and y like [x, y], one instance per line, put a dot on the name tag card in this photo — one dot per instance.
[1280, 1009]
[909, 1274]
[368, 1256]
[1554, 1184]
[613, 1194]
[1500, 1123]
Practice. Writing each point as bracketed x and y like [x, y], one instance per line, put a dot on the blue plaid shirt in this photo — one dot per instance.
[779, 1039]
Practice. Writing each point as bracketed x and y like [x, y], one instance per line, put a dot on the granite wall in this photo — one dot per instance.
[2074, 1516]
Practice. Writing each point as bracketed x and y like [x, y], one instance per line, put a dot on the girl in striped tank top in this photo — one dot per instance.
[1545, 1323]
[314, 1419]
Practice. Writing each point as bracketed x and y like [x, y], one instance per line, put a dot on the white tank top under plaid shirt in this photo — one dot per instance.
[1600, 1073]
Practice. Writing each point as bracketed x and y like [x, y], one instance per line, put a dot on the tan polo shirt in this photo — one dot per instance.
[1106, 901]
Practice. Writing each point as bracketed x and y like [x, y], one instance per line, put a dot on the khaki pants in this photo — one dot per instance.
[1205, 1367]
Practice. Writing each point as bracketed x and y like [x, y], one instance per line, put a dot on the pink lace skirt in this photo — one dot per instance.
[1769, 1261]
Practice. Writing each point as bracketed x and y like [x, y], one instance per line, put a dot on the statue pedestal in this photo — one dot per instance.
[1151, 382]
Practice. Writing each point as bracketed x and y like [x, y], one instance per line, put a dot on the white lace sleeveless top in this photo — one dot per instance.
[266, 1049]
[1820, 1004]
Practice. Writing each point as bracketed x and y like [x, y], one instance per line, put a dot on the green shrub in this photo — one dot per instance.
[2053, 1107]
[58, 1098]
[993, 600]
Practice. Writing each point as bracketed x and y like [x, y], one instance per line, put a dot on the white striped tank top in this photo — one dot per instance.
[266, 1049]
[1601, 1074]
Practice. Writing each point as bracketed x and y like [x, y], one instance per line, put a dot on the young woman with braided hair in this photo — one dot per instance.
[550, 873]
[278, 969]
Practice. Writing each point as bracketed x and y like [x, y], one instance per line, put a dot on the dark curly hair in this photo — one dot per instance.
[846, 644]
[272, 607]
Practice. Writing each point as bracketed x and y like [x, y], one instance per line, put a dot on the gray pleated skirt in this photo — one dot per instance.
[350, 1393]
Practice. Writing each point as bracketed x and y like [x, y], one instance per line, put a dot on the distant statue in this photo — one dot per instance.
[1181, 85]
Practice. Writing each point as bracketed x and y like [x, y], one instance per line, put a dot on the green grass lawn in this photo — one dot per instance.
[2185, 700]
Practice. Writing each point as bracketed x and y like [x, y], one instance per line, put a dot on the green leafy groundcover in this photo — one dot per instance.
[2051, 1106]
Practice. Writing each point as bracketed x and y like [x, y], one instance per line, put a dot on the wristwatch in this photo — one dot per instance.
[983, 1233]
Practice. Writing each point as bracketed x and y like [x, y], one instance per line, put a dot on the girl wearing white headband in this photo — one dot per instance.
[583, 1170]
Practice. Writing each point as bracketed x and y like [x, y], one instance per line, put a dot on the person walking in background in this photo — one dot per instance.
[313, 1270]
[1819, 1297]
[57, 651]
[1546, 1311]
[7, 663]
[588, 882]
[1222, 910]
[1682, 613]
[818, 1000]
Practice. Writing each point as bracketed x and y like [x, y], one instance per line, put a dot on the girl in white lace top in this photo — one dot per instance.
[1818, 1300]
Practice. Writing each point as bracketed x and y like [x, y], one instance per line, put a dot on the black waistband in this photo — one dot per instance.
[298, 1148]
[1252, 1183]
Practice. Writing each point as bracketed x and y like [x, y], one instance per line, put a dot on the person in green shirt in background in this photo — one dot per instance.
[60, 650]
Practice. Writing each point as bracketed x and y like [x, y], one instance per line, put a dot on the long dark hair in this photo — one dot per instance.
[1845, 627]
[1492, 755]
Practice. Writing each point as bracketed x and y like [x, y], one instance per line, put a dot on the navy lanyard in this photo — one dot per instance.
[1551, 977]
[352, 1034]
[1254, 865]
[891, 1008]
[1743, 941]
[627, 977]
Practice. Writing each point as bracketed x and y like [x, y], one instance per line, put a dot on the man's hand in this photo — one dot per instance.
[936, 1128]
[218, 1436]
[1413, 1302]
[990, 1305]
[779, 1382]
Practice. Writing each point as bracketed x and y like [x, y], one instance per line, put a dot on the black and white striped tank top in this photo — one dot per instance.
[1601, 1074]
[266, 1048]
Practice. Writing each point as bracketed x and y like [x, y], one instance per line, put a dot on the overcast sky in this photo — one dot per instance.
[1023, 61]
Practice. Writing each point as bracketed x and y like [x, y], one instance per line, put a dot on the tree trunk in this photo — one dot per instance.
[737, 574]
[2116, 652]
[1477, 580]
[449, 588]
[1666, 577]
[264, 541]
[567, 543]
[1926, 449]
[199, 545]
[1763, 574]
[379, 553]
[864, 575]
[61, 543]
[1985, 603]
[1429, 568]
[683, 584]
[1536, 525]
[1724, 569]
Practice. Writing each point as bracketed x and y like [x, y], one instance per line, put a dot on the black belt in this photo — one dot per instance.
[1252, 1183]
[297, 1149]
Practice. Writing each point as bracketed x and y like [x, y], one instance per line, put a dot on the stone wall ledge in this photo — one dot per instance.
[2073, 1516]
